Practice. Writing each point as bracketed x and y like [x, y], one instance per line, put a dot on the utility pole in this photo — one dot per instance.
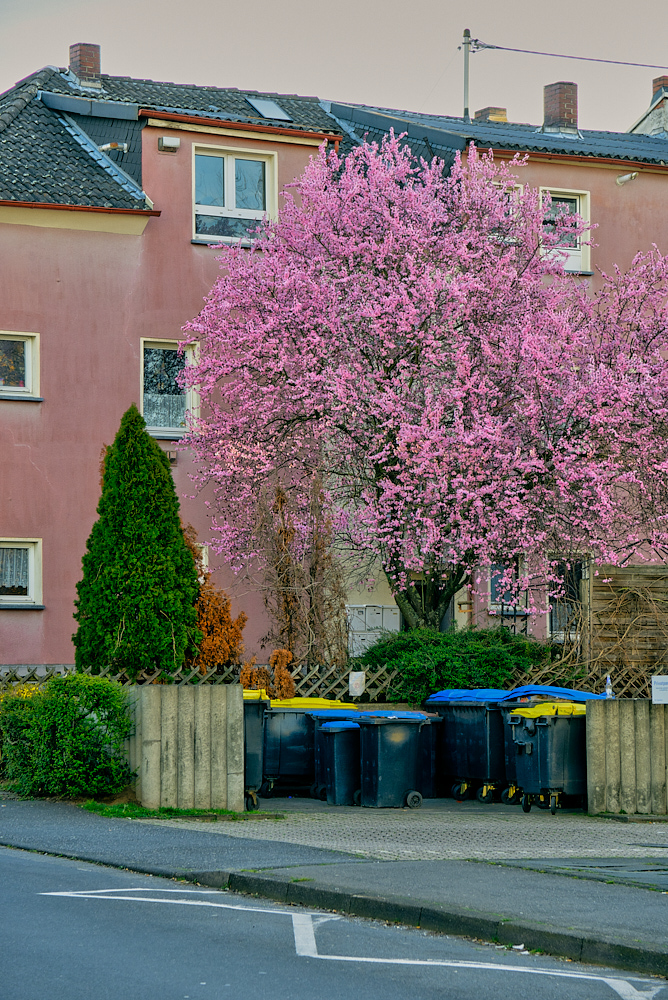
[467, 51]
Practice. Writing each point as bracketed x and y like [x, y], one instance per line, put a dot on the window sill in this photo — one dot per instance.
[582, 274]
[165, 434]
[506, 611]
[21, 607]
[22, 399]
[222, 241]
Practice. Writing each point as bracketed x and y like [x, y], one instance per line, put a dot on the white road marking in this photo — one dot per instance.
[304, 924]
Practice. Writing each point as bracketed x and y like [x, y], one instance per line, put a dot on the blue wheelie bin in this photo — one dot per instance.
[320, 718]
[341, 752]
[390, 759]
[473, 748]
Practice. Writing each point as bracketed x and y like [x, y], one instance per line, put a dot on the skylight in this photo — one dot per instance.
[269, 109]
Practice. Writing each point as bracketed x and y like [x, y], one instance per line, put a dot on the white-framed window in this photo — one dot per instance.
[233, 191]
[572, 250]
[503, 596]
[19, 364]
[566, 610]
[20, 572]
[164, 401]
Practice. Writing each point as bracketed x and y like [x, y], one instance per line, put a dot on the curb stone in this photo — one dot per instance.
[452, 920]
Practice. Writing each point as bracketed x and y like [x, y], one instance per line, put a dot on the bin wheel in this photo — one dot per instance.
[265, 789]
[322, 793]
[543, 802]
[526, 804]
[460, 791]
[251, 802]
[485, 794]
[413, 800]
[510, 798]
[553, 804]
[357, 797]
[313, 791]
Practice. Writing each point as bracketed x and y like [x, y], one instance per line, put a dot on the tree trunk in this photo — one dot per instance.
[424, 603]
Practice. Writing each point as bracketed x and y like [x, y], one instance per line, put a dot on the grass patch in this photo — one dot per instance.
[132, 810]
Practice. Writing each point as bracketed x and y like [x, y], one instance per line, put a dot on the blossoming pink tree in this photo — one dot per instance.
[411, 338]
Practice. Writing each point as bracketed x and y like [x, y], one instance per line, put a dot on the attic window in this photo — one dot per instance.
[269, 109]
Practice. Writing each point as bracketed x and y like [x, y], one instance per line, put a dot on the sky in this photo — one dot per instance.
[380, 52]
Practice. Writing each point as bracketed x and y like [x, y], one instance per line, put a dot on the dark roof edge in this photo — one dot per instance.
[89, 106]
[25, 95]
[58, 206]
[167, 116]
[439, 137]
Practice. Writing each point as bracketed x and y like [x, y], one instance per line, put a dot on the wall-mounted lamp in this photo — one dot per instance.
[119, 147]
[625, 178]
[168, 143]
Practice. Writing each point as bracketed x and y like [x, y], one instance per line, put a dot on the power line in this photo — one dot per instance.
[476, 45]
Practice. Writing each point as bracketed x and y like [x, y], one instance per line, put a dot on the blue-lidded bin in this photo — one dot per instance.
[390, 757]
[288, 747]
[320, 718]
[473, 746]
[341, 753]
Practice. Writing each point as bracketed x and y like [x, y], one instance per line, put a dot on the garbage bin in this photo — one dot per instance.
[341, 752]
[255, 705]
[389, 755]
[320, 717]
[547, 743]
[473, 751]
[289, 741]
[431, 783]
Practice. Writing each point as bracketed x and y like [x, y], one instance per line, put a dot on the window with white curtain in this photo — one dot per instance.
[20, 571]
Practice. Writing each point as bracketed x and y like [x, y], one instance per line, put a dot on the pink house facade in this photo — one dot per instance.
[113, 192]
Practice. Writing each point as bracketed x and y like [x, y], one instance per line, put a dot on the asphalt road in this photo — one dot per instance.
[77, 931]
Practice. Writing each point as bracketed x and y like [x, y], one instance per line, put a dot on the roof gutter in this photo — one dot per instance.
[78, 208]
[170, 116]
[591, 159]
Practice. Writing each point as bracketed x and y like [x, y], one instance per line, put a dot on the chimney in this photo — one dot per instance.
[85, 63]
[659, 83]
[491, 115]
[560, 107]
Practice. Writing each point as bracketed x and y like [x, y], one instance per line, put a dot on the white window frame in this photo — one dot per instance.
[34, 595]
[497, 607]
[31, 388]
[578, 258]
[230, 154]
[560, 635]
[167, 433]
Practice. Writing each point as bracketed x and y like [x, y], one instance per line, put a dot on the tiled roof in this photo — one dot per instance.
[49, 143]
[510, 136]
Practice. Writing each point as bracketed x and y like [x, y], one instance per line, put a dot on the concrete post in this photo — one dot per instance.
[657, 739]
[612, 758]
[150, 743]
[219, 746]
[596, 756]
[643, 765]
[203, 746]
[185, 748]
[235, 748]
[169, 733]
[627, 733]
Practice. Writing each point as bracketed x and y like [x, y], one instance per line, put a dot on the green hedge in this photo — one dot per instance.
[67, 738]
[429, 661]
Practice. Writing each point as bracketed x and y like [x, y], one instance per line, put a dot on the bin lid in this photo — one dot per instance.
[339, 727]
[550, 708]
[308, 703]
[256, 695]
[470, 694]
[549, 693]
[385, 716]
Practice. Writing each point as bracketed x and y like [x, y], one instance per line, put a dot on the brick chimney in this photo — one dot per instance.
[659, 83]
[85, 63]
[560, 107]
[491, 115]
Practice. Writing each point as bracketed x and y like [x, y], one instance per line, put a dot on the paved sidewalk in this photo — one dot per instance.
[444, 829]
[581, 918]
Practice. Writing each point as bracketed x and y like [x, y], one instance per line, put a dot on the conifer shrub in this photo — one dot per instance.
[428, 660]
[136, 601]
[67, 738]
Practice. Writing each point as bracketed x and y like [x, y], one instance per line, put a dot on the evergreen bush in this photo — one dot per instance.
[429, 660]
[67, 739]
[136, 605]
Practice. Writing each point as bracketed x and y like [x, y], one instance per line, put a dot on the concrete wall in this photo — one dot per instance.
[188, 746]
[627, 751]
